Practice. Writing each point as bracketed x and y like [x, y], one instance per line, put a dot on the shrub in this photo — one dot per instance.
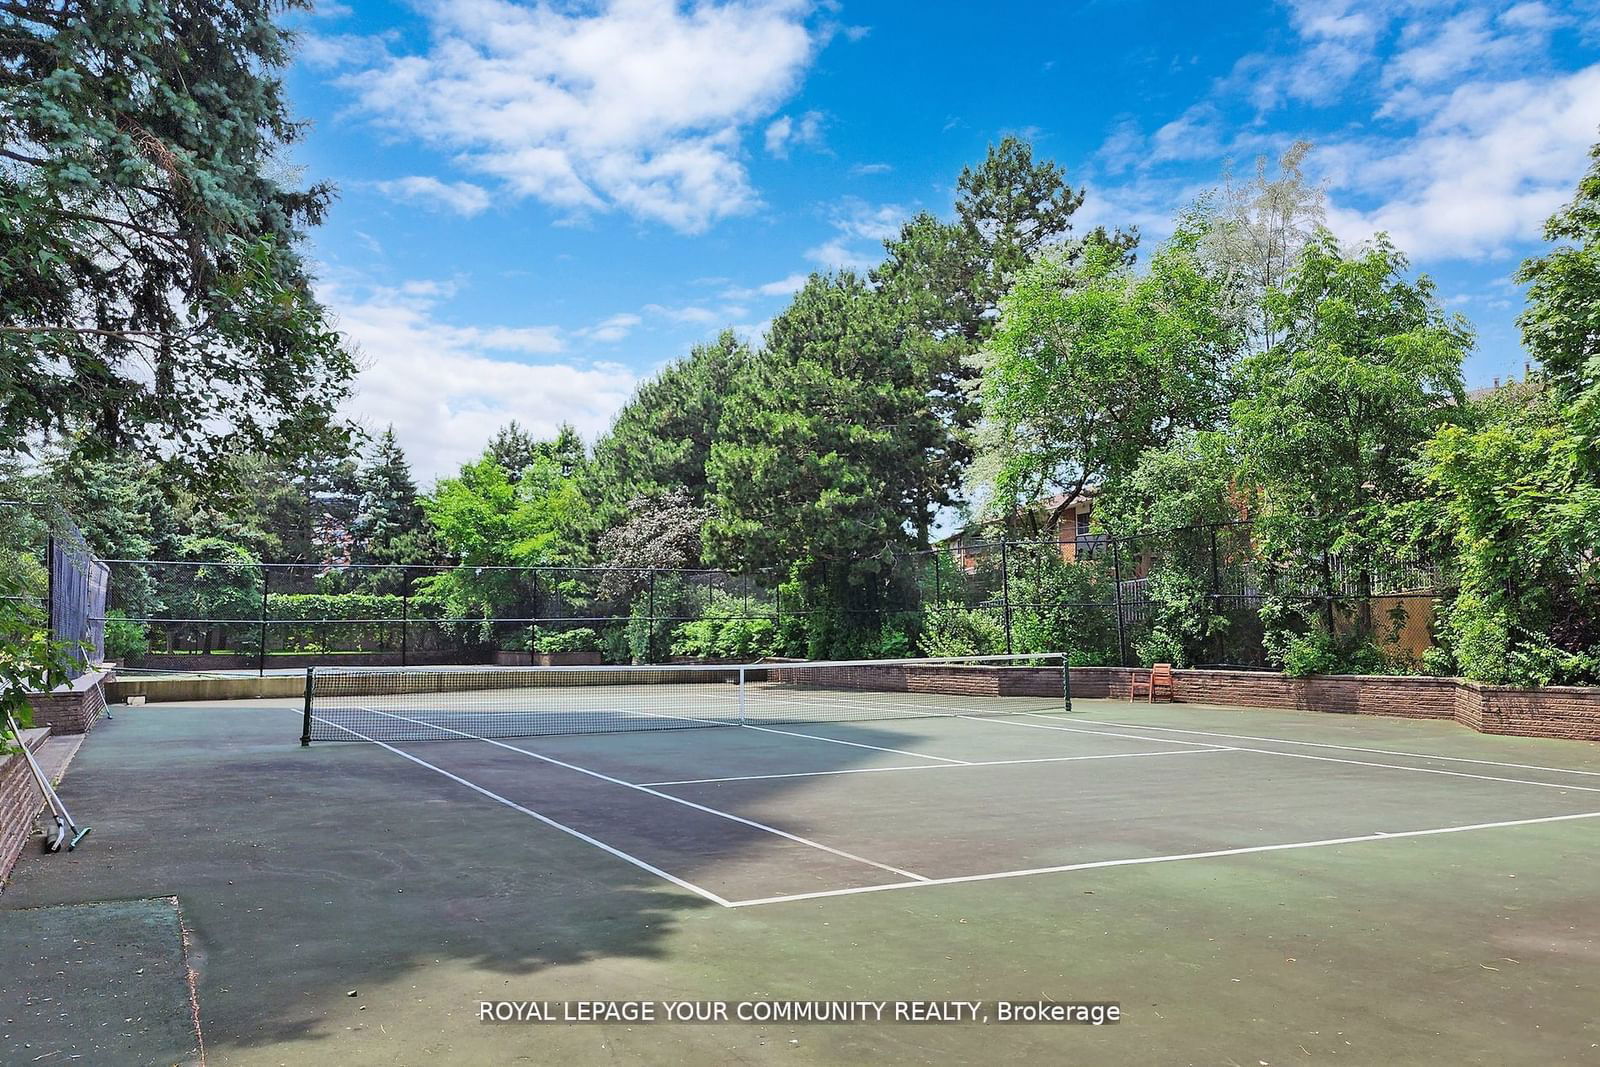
[725, 637]
[957, 631]
[125, 640]
[578, 639]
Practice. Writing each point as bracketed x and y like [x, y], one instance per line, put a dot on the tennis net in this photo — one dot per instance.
[442, 705]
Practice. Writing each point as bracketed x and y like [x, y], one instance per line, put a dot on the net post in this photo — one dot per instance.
[305, 729]
[1066, 684]
[741, 697]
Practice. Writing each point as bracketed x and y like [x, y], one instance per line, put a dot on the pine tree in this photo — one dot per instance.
[388, 525]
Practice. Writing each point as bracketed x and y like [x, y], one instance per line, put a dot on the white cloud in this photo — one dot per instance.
[782, 287]
[784, 133]
[855, 221]
[699, 316]
[1493, 161]
[463, 198]
[613, 329]
[1469, 138]
[638, 106]
[871, 168]
[446, 388]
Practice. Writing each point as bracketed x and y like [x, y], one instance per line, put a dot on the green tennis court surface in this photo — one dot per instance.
[1251, 886]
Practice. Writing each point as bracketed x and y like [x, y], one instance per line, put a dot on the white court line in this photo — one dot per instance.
[853, 744]
[664, 796]
[1097, 733]
[1322, 759]
[563, 827]
[1342, 748]
[938, 766]
[788, 733]
[1217, 853]
[916, 711]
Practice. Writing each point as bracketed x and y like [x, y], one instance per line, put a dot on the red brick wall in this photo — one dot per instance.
[19, 802]
[69, 711]
[1570, 712]
[1565, 712]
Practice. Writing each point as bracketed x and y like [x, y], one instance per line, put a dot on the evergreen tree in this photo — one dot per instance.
[661, 439]
[388, 525]
[153, 294]
[513, 448]
[826, 453]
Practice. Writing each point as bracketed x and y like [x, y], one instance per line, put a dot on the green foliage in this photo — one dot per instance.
[29, 661]
[125, 641]
[827, 448]
[388, 523]
[350, 634]
[1317, 652]
[577, 639]
[1333, 417]
[153, 294]
[1091, 365]
[484, 519]
[950, 276]
[1562, 318]
[953, 630]
[725, 637]
[660, 442]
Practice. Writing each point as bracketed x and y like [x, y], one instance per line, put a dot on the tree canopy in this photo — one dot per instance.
[153, 293]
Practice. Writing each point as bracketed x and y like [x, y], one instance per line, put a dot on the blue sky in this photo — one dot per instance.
[541, 204]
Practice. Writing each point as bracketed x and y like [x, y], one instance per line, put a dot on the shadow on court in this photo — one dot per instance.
[308, 874]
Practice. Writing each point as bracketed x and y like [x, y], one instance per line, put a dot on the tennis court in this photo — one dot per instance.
[1249, 885]
[818, 780]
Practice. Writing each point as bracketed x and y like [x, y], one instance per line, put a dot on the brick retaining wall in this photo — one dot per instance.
[1568, 712]
[73, 708]
[20, 801]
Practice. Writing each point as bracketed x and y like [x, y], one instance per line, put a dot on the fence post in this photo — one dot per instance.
[650, 618]
[1216, 591]
[405, 615]
[533, 627]
[1116, 578]
[51, 622]
[1005, 589]
[261, 653]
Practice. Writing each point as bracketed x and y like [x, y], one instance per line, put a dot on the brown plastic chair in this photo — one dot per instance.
[1158, 680]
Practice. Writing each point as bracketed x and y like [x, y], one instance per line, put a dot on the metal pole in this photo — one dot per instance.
[533, 627]
[405, 615]
[305, 729]
[650, 610]
[1216, 590]
[50, 586]
[1066, 683]
[1116, 578]
[741, 696]
[1005, 590]
[261, 653]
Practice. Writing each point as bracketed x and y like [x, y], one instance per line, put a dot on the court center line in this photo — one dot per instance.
[547, 820]
[655, 793]
[1214, 854]
[1342, 748]
[1335, 759]
[937, 766]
